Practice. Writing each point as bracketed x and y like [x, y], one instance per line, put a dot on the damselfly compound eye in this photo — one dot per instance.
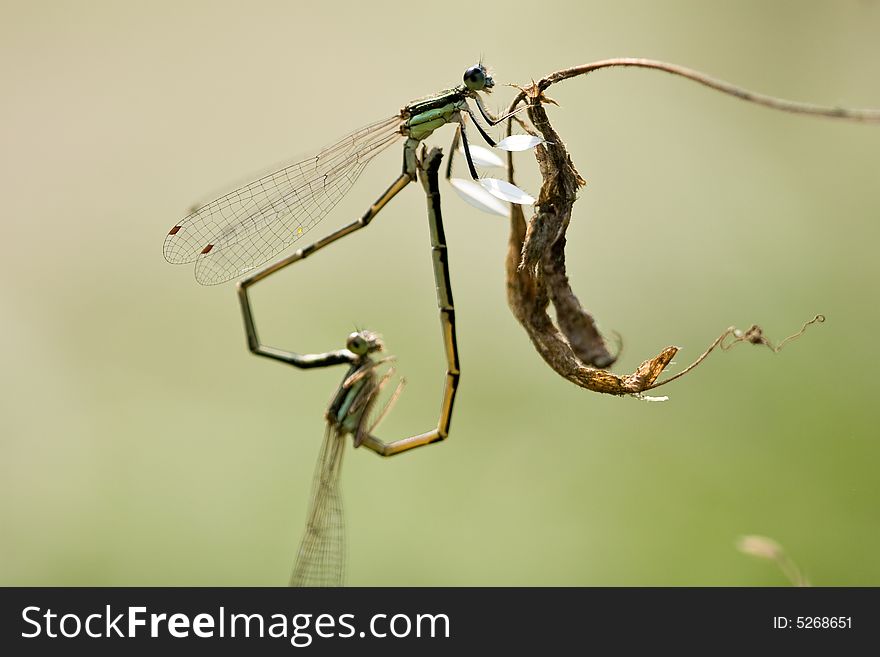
[357, 344]
[475, 78]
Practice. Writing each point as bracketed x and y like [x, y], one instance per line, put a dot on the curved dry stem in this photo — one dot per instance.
[528, 298]
[781, 104]
[536, 273]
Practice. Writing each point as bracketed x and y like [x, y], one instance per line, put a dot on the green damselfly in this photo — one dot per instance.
[245, 228]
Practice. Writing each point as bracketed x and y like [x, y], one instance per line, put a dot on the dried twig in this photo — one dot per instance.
[528, 297]
[754, 335]
[536, 273]
[782, 104]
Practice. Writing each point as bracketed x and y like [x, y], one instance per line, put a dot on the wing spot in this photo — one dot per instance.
[174, 230]
[207, 249]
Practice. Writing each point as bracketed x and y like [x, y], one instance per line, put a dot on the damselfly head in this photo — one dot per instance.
[477, 78]
[364, 342]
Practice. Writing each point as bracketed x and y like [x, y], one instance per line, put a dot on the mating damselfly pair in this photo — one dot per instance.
[245, 228]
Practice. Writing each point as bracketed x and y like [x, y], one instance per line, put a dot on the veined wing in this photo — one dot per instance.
[321, 557]
[244, 228]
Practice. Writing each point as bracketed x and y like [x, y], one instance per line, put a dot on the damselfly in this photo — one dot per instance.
[320, 560]
[245, 228]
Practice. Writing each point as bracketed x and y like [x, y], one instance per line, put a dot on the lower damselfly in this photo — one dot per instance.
[320, 560]
[237, 232]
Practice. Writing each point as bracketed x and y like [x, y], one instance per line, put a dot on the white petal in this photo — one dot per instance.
[483, 157]
[478, 197]
[506, 192]
[519, 143]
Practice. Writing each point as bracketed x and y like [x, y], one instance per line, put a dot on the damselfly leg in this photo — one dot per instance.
[428, 168]
[320, 560]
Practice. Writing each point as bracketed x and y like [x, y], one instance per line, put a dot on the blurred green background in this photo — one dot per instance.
[142, 444]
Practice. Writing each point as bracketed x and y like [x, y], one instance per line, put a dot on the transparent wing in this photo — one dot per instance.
[244, 228]
[321, 557]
